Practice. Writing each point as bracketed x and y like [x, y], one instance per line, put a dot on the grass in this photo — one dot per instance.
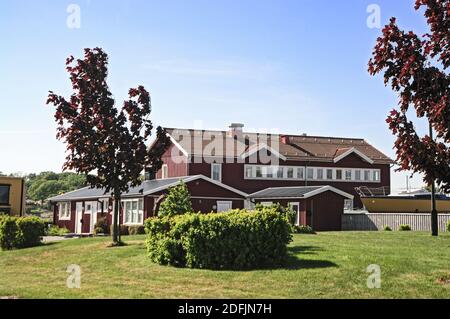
[327, 265]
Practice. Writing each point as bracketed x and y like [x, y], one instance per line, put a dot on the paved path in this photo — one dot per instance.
[50, 239]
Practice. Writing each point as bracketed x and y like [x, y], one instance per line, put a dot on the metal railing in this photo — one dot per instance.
[365, 191]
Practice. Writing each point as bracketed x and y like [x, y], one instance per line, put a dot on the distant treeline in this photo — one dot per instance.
[47, 184]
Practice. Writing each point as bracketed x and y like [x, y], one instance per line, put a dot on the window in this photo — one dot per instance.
[376, 176]
[348, 204]
[224, 206]
[268, 172]
[310, 173]
[4, 194]
[133, 211]
[300, 173]
[258, 171]
[103, 206]
[165, 171]
[279, 172]
[319, 173]
[64, 211]
[216, 172]
[290, 172]
[248, 171]
[348, 174]
[329, 174]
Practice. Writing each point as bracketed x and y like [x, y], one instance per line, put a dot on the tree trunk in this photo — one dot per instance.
[116, 219]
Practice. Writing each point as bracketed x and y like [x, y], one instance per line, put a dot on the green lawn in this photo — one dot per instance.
[327, 265]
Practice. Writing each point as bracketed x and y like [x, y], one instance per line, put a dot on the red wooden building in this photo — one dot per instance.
[232, 169]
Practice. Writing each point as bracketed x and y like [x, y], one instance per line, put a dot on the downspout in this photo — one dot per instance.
[22, 197]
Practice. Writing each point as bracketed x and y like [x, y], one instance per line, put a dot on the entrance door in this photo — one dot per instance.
[223, 206]
[295, 206]
[78, 217]
[91, 209]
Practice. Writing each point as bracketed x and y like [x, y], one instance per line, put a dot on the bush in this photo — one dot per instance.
[31, 229]
[136, 230]
[54, 230]
[303, 229]
[101, 226]
[177, 202]
[448, 226]
[9, 233]
[404, 228]
[238, 239]
[20, 232]
[387, 228]
[286, 211]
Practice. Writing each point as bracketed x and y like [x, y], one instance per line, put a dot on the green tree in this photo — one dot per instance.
[47, 184]
[177, 202]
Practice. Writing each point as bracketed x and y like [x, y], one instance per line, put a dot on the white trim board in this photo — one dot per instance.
[355, 151]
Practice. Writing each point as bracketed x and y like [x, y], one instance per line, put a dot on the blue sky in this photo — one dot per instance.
[292, 66]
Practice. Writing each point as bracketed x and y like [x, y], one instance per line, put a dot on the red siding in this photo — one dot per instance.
[177, 164]
[322, 212]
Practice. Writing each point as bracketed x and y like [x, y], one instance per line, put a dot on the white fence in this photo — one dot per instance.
[367, 221]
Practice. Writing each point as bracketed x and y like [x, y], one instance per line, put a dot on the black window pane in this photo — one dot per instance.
[4, 194]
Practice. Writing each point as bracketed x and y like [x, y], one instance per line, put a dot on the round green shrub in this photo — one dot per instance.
[20, 232]
[238, 239]
[448, 226]
[387, 228]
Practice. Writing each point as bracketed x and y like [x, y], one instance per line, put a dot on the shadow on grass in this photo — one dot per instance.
[297, 262]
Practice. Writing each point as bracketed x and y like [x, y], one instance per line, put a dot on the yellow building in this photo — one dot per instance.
[12, 196]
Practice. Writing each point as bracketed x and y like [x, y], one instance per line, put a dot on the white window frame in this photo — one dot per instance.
[164, 171]
[319, 176]
[139, 212]
[310, 170]
[253, 169]
[64, 214]
[336, 174]
[220, 171]
[229, 204]
[290, 169]
[94, 207]
[348, 204]
[348, 177]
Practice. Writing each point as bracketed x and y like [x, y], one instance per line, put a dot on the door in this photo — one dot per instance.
[91, 209]
[223, 206]
[78, 217]
[295, 206]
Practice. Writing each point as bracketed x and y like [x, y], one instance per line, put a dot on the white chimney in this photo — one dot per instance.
[235, 130]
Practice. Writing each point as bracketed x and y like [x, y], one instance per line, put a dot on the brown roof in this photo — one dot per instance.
[293, 147]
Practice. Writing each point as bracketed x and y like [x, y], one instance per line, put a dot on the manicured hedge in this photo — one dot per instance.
[238, 239]
[20, 232]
